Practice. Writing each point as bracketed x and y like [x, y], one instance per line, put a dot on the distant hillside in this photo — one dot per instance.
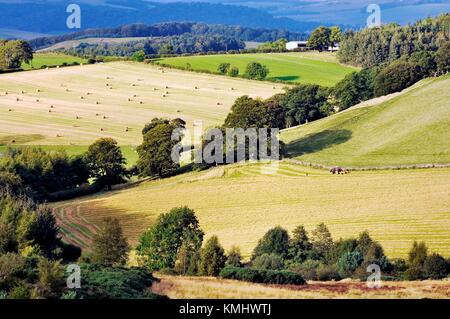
[171, 29]
[411, 128]
[50, 17]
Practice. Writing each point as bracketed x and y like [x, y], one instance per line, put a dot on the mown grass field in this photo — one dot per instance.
[103, 100]
[239, 204]
[51, 59]
[176, 287]
[306, 67]
[411, 128]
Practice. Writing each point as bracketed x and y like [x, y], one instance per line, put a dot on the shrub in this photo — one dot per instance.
[348, 263]
[435, 267]
[187, 262]
[233, 71]
[418, 254]
[138, 56]
[101, 282]
[159, 245]
[262, 276]
[212, 258]
[275, 241]
[299, 245]
[234, 257]
[268, 261]
[223, 68]
[21, 291]
[328, 272]
[256, 71]
[396, 77]
[109, 246]
[307, 269]
[51, 278]
[322, 242]
[11, 268]
[443, 58]
[413, 273]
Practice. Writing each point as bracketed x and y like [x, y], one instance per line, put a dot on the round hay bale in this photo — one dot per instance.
[9, 110]
[97, 102]
[141, 102]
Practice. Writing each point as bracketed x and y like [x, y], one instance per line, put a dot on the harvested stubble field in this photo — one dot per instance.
[75, 105]
[239, 204]
[213, 288]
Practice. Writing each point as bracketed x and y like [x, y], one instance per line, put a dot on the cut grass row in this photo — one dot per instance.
[239, 204]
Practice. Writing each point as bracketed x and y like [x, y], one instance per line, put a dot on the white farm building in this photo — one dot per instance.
[295, 45]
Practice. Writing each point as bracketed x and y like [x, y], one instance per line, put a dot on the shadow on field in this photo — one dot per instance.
[316, 142]
[287, 78]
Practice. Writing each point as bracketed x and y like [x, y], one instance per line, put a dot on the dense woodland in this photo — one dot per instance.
[372, 47]
[170, 45]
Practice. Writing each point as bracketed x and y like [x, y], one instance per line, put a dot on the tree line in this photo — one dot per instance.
[174, 244]
[170, 29]
[162, 46]
[374, 46]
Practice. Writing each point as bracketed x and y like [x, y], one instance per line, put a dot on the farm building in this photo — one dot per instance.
[295, 45]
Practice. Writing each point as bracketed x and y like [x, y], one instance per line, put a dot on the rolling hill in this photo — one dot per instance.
[76, 105]
[411, 128]
[239, 203]
[306, 67]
